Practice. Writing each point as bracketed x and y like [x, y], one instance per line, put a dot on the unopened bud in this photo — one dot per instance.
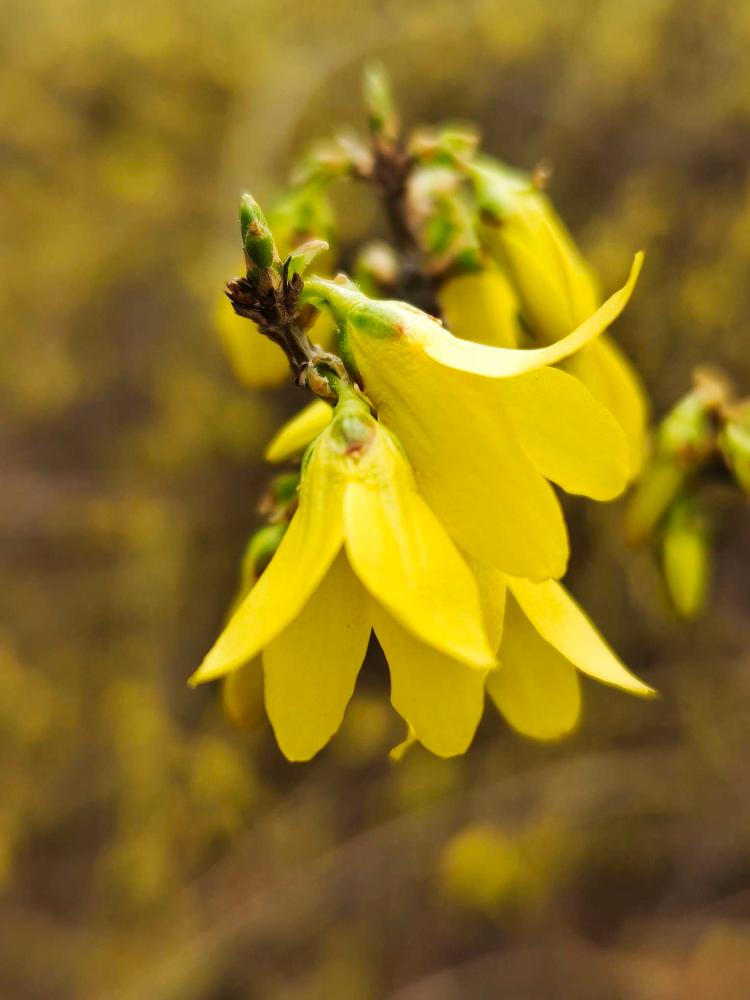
[260, 252]
[734, 442]
[382, 117]
[376, 268]
[448, 145]
[686, 557]
[442, 215]
[683, 442]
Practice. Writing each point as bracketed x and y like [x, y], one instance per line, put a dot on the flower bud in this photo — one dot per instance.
[686, 557]
[382, 117]
[734, 442]
[443, 217]
[683, 442]
[260, 251]
[376, 268]
[447, 145]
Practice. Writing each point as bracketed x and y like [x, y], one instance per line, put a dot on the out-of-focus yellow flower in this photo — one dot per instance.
[485, 427]
[481, 306]
[362, 551]
[297, 433]
[556, 288]
[480, 868]
[256, 361]
[544, 640]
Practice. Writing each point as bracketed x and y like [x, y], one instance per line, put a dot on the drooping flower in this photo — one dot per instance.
[556, 289]
[362, 552]
[485, 427]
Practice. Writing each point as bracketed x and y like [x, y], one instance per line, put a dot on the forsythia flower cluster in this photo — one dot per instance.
[425, 512]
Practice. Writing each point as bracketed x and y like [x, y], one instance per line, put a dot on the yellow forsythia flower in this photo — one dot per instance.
[556, 289]
[486, 427]
[362, 552]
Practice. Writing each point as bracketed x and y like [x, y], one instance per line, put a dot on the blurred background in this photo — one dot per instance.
[150, 851]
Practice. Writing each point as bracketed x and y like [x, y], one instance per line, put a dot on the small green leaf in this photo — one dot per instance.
[300, 259]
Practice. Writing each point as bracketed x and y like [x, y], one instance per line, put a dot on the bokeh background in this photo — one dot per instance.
[148, 850]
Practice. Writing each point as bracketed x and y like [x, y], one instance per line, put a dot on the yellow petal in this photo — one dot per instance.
[500, 362]
[482, 307]
[308, 548]
[534, 687]
[311, 667]
[440, 698]
[469, 465]
[570, 437]
[492, 591]
[559, 620]
[256, 361]
[610, 377]
[404, 557]
[297, 433]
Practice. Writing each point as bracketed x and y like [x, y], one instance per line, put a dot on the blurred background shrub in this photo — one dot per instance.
[149, 850]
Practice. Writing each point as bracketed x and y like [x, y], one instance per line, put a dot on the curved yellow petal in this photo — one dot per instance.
[311, 667]
[256, 361]
[569, 436]
[308, 548]
[481, 306]
[299, 431]
[534, 687]
[404, 557]
[501, 362]
[441, 699]
[609, 376]
[559, 620]
[468, 463]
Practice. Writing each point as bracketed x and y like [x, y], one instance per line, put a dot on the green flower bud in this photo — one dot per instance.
[683, 442]
[376, 268]
[442, 214]
[382, 117]
[687, 433]
[661, 481]
[447, 145]
[734, 442]
[686, 557]
[260, 251]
